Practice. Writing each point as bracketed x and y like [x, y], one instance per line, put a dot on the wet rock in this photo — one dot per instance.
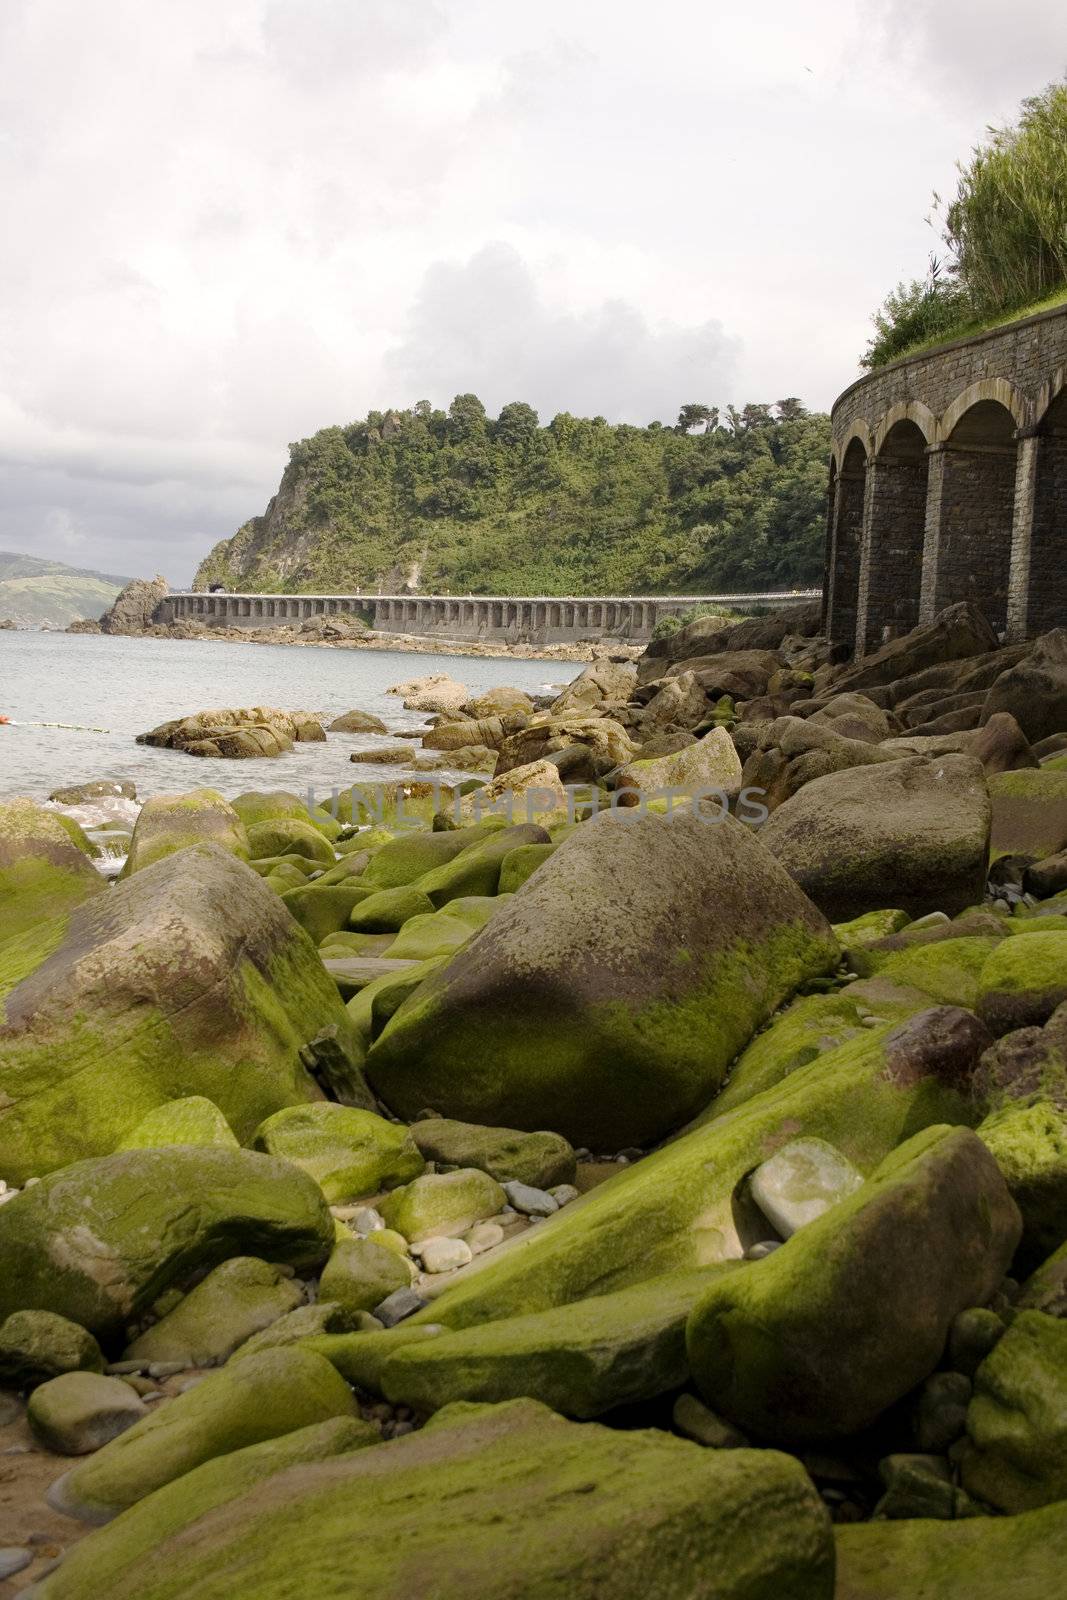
[79, 1412]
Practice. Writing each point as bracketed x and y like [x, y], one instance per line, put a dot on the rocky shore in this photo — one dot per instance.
[639, 1169]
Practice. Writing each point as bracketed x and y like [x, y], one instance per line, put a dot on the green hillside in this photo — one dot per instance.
[459, 501]
[37, 593]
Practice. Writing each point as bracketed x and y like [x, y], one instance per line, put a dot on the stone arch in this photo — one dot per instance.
[894, 530]
[846, 536]
[1046, 566]
[976, 500]
[995, 391]
[859, 431]
[910, 411]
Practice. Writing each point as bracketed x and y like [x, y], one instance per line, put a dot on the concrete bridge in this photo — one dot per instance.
[535, 619]
[949, 482]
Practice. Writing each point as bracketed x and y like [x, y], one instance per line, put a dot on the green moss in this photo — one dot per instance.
[1023, 980]
[1028, 1140]
[192, 1120]
[167, 823]
[948, 970]
[348, 1152]
[289, 836]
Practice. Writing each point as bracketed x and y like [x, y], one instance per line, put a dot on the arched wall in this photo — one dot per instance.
[961, 455]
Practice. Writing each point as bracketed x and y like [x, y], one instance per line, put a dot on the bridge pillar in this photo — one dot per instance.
[894, 526]
[970, 512]
[844, 571]
[1022, 529]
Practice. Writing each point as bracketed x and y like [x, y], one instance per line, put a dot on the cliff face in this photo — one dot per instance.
[457, 501]
[135, 607]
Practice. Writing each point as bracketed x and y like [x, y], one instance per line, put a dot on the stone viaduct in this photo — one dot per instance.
[948, 482]
[508, 618]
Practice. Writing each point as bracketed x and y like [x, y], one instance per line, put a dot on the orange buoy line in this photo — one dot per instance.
[73, 727]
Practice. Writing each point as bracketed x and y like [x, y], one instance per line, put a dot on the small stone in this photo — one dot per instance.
[941, 1412]
[81, 1411]
[398, 1305]
[971, 1337]
[631, 1153]
[13, 1558]
[800, 1182]
[916, 1486]
[694, 1420]
[366, 1220]
[483, 1236]
[166, 1369]
[563, 1193]
[444, 1255]
[122, 1369]
[765, 1247]
[530, 1201]
[142, 1386]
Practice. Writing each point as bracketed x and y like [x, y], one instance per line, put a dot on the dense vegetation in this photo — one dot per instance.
[37, 593]
[1005, 232]
[456, 501]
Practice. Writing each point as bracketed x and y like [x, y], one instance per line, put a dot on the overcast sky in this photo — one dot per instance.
[232, 222]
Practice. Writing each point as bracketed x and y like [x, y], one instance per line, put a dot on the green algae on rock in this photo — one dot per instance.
[192, 1120]
[237, 1299]
[1028, 1141]
[1016, 1455]
[168, 823]
[442, 1204]
[543, 1159]
[99, 1241]
[1023, 981]
[263, 1397]
[44, 877]
[361, 1273]
[290, 836]
[506, 1500]
[38, 1345]
[349, 1152]
[817, 1340]
[188, 979]
[88, 1568]
[608, 1020]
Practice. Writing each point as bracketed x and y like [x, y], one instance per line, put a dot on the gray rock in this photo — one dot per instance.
[530, 1201]
[564, 1193]
[765, 1247]
[483, 1236]
[800, 1182]
[13, 1558]
[941, 1412]
[444, 1255]
[81, 1411]
[398, 1305]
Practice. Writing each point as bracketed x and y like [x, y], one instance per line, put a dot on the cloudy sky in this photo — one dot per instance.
[232, 222]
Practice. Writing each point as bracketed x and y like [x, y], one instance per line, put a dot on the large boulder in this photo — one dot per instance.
[601, 684]
[606, 740]
[1029, 812]
[190, 978]
[349, 1152]
[912, 834]
[549, 1508]
[434, 692]
[709, 768]
[685, 1205]
[268, 1394]
[44, 877]
[818, 1339]
[100, 1241]
[980, 1558]
[357, 722]
[168, 823]
[89, 1566]
[235, 733]
[134, 607]
[1016, 1455]
[237, 1300]
[608, 1019]
[960, 631]
[543, 1159]
[1035, 689]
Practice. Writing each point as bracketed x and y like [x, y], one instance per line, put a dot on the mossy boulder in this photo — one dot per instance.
[296, 836]
[1029, 812]
[38, 1345]
[581, 1359]
[99, 1241]
[683, 1206]
[520, 864]
[167, 823]
[442, 933]
[1016, 1453]
[90, 1566]
[1046, 1289]
[322, 908]
[981, 1558]
[272, 805]
[542, 1159]
[349, 1152]
[1023, 981]
[710, 767]
[476, 869]
[529, 1483]
[189, 979]
[1028, 1140]
[191, 1120]
[371, 1009]
[869, 927]
[361, 1273]
[608, 1020]
[948, 970]
[442, 1204]
[815, 1341]
[44, 877]
[263, 1397]
[415, 853]
[237, 1299]
[911, 833]
[386, 910]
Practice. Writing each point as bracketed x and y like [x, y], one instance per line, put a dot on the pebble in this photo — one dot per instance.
[166, 1369]
[142, 1386]
[398, 1305]
[631, 1153]
[366, 1220]
[123, 1369]
[530, 1201]
[483, 1236]
[13, 1558]
[444, 1255]
[564, 1193]
[765, 1247]
[694, 1420]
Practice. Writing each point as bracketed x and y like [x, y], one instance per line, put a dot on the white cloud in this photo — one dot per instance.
[234, 224]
